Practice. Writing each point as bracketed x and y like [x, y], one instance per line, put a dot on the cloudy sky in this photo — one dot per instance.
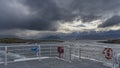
[40, 18]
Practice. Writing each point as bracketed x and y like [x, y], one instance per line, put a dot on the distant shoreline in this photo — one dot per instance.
[29, 41]
[115, 41]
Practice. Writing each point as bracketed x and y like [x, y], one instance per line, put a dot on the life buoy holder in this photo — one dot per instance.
[60, 49]
[108, 52]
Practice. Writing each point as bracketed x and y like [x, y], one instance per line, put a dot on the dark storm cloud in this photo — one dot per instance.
[89, 18]
[115, 20]
[90, 10]
[43, 20]
[68, 10]
[44, 14]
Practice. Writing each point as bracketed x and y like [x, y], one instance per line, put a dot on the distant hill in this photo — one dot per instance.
[115, 41]
[51, 38]
[18, 40]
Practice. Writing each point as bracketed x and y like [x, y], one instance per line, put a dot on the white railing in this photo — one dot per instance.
[21, 52]
[72, 52]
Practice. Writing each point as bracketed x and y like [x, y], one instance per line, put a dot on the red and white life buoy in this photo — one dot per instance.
[108, 52]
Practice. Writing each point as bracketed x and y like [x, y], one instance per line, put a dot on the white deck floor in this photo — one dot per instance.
[54, 63]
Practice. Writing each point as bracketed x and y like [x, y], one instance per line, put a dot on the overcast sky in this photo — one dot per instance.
[38, 18]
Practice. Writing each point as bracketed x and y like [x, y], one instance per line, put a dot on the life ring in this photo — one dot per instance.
[60, 49]
[108, 52]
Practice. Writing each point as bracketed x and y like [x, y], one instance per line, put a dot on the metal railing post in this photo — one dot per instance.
[50, 51]
[6, 55]
[39, 52]
[79, 53]
[70, 53]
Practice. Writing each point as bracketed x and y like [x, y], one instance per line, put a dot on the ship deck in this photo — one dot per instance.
[54, 63]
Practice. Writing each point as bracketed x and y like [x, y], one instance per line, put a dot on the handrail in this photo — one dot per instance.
[51, 50]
